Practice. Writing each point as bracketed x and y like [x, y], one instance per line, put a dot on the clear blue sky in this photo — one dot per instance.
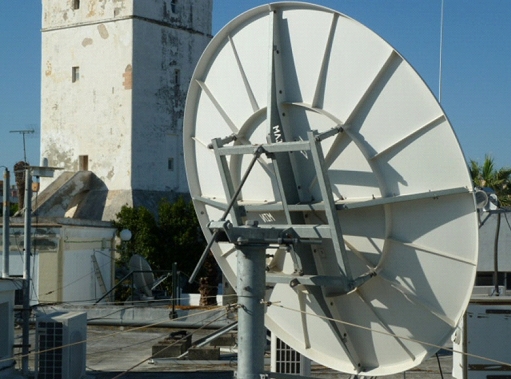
[476, 89]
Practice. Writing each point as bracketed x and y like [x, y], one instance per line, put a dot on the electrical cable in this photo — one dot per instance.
[391, 334]
[163, 303]
[167, 347]
[507, 221]
[150, 339]
[452, 350]
[18, 246]
[91, 301]
[127, 346]
[439, 365]
[74, 281]
[112, 334]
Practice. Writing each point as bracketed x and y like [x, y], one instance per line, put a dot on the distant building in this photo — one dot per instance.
[115, 75]
[13, 194]
[114, 80]
[71, 260]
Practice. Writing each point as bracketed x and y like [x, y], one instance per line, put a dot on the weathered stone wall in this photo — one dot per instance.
[59, 13]
[92, 115]
[124, 107]
[162, 73]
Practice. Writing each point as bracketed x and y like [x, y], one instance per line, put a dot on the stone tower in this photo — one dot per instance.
[114, 79]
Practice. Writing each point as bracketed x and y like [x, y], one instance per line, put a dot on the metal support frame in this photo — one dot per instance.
[5, 225]
[251, 330]
[328, 200]
[119, 283]
[38, 171]
[251, 242]
[26, 271]
[173, 314]
[323, 277]
[224, 169]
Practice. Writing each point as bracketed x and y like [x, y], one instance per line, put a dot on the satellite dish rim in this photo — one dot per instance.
[204, 204]
[143, 277]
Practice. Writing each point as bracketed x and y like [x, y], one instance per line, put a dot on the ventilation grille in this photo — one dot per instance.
[50, 346]
[286, 360]
[60, 341]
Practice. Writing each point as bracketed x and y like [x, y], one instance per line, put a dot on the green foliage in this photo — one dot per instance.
[13, 208]
[173, 237]
[144, 231]
[486, 175]
[179, 234]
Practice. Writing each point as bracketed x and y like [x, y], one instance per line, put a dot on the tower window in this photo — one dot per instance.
[177, 77]
[83, 163]
[171, 164]
[173, 6]
[75, 74]
[76, 4]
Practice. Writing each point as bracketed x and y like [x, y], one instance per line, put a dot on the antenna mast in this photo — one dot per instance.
[441, 50]
[23, 132]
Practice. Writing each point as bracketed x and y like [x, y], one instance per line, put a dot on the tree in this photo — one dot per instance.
[486, 175]
[13, 208]
[174, 236]
[180, 238]
[143, 227]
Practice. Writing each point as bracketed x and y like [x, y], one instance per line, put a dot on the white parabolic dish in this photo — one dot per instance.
[397, 178]
[143, 277]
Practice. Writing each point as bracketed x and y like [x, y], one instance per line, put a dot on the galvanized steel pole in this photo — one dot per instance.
[5, 224]
[174, 289]
[251, 329]
[26, 271]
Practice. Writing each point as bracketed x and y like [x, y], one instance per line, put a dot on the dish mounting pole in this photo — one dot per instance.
[251, 330]
[251, 243]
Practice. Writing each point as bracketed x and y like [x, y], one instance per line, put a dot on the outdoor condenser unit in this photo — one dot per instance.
[286, 360]
[61, 345]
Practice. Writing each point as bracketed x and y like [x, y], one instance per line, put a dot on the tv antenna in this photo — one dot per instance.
[350, 204]
[23, 132]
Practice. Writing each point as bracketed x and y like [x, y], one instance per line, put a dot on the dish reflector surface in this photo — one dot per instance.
[398, 182]
[143, 276]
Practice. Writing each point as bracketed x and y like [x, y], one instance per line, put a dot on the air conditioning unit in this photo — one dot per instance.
[286, 360]
[61, 345]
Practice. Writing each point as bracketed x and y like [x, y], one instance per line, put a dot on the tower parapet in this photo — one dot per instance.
[114, 79]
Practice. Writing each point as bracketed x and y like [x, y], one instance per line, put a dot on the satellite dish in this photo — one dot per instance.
[390, 182]
[143, 277]
[481, 198]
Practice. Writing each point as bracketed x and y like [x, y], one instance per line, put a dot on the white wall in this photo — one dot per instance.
[91, 116]
[78, 276]
[125, 112]
[7, 288]
[61, 264]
